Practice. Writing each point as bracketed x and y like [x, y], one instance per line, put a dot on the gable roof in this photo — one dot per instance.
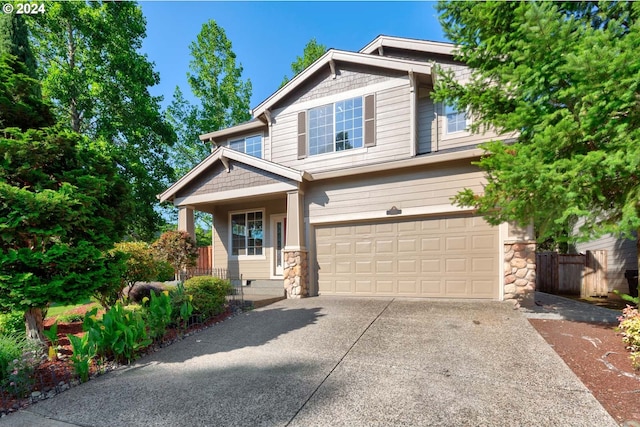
[426, 46]
[329, 59]
[224, 154]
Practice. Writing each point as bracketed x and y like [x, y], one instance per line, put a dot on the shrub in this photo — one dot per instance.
[144, 290]
[209, 294]
[119, 335]
[18, 358]
[177, 248]
[630, 328]
[12, 323]
[181, 307]
[158, 313]
[165, 272]
[83, 351]
[11, 348]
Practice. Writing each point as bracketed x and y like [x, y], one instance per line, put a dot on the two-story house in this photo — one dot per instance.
[341, 184]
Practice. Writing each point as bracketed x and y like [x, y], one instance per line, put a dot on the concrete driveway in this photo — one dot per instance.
[341, 362]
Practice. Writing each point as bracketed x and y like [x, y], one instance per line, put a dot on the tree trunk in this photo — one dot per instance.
[34, 324]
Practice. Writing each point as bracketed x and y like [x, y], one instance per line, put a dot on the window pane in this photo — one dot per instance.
[321, 130]
[237, 145]
[253, 146]
[349, 128]
[239, 232]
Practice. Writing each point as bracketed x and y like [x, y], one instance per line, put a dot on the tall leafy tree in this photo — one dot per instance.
[566, 78]
[312, 51]
[98, 82]
[223, 96]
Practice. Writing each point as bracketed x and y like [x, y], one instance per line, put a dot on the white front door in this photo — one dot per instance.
[278, 223]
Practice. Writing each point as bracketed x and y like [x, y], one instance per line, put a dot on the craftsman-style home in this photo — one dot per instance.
[341, 184]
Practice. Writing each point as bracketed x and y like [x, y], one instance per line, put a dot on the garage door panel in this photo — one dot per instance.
[431, 257]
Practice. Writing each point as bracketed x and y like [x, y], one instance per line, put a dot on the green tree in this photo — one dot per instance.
[14, 40]
[564, 76]
[61, 201]
[98, 81]
[178, 249]
[222, 95]
[312, 51]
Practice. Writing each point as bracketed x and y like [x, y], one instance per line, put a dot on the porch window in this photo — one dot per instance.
[251, 145]
[336, 127]
[456, 120]
[247, 233]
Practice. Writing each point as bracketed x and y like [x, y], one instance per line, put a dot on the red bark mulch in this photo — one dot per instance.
[597, 355]
[52, 376]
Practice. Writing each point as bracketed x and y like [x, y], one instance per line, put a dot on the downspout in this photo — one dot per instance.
[436, 142]
[267, 115]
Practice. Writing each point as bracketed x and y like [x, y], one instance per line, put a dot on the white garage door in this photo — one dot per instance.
[453, 257]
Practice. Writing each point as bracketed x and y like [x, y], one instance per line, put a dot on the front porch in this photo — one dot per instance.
[258, 211]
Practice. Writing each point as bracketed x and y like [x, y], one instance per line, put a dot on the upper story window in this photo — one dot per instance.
[456, 120]
[247, 233]
[251, 145]
[336, 127]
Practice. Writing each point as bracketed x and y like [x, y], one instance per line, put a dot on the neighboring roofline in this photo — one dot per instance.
[224, 154]
[383, 41]
[242, 127]
[332, 56]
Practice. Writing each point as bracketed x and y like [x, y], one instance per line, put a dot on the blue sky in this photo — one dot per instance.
[268, 36]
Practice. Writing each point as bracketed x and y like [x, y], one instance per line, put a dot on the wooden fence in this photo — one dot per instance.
[572, 274]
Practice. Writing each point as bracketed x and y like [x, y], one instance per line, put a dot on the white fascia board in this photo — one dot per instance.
[265, 165]
[404, 65]
[223, 152]
[426, 46]
[244, 127]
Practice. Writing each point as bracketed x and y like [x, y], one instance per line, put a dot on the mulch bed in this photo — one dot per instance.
[597, 355]
[54, 376]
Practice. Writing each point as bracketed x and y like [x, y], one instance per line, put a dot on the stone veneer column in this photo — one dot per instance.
[295, 273]
[520, 272]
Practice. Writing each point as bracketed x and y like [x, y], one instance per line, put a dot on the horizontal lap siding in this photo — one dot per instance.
[250, 269]
[392, 137]
[621, 256]
[425, 186]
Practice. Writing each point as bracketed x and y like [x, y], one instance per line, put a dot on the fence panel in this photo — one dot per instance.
[595, 282]
[570, 272]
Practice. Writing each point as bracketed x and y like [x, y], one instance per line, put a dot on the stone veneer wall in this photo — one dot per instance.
[295, 273]
[520, 272]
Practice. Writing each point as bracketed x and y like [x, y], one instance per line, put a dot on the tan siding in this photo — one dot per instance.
[250, 269]
[621, 256]
[392, 137]
[239, 176]
[417, 187]
[346, 79]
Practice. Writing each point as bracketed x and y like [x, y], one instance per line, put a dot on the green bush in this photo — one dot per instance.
[165, 272]
[12, 323]
[18, 359]
[119, 335]
[11, 348]
[630, 328]
[157, 312]
[209, 294]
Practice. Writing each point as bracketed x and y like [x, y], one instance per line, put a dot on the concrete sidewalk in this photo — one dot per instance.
[341, 362]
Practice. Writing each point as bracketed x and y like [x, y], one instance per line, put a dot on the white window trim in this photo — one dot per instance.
[230, 237]
[238, 138]
[334, 152]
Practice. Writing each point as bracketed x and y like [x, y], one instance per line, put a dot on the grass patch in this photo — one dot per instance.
[63, 310]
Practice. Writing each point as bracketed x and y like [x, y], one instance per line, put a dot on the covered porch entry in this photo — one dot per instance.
[257, 208]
